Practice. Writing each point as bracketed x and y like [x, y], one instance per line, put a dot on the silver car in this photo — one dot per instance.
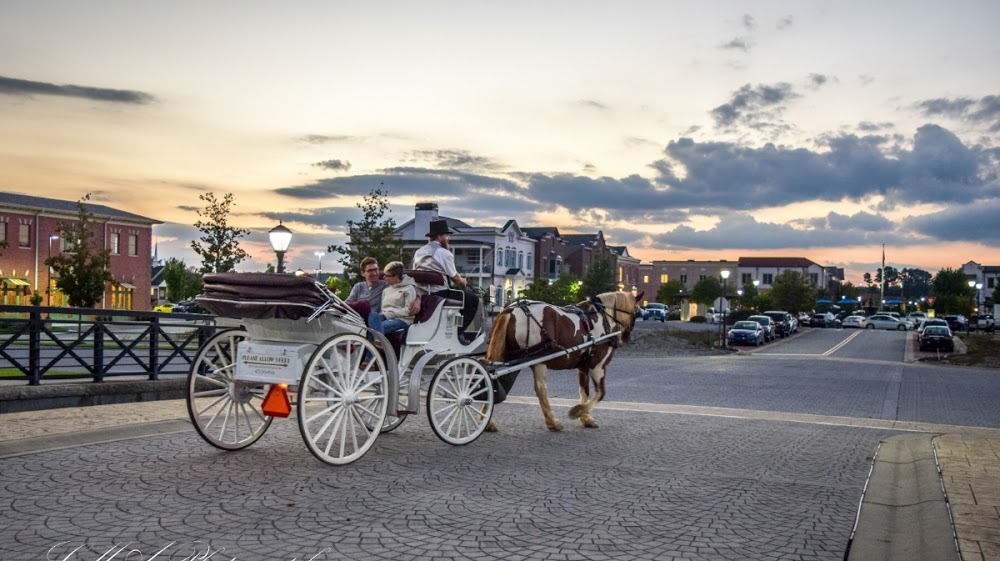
[885, 321]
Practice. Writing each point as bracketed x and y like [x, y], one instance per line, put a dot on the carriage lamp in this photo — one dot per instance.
[280, 238]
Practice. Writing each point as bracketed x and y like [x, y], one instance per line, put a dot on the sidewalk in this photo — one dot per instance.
[970, 466]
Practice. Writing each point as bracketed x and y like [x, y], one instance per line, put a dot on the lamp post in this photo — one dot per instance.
[280, 238]
[722, 304]
[968, 320]
[319, 254]
[48, 280]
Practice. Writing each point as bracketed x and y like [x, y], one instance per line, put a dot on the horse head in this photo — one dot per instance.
[620, 308]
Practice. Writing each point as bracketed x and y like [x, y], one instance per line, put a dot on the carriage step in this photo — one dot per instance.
[403, 412]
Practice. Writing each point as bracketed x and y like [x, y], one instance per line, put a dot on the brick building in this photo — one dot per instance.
[30, 227]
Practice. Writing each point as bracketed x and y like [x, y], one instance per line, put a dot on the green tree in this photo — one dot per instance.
[564, 291]
[339, 286]
[219, 247]
[182, 284]
[952, 292]
[82, 269]
[600, 278]
[916, 283]
[792, 291]
[671, 292]
[750, 296]
[706, 291]
[373, 235]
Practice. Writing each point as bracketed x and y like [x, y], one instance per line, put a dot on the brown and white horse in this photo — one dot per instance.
[526, 330]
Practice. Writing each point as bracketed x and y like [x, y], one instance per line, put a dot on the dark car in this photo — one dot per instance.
[782, 327]
[937, 337]
[823, 320]
[956, 323]
[190, 307]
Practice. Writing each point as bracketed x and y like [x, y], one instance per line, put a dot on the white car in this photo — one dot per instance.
[853, 321]
[885, 321]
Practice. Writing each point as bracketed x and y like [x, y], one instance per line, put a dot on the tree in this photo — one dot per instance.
[952, 292]
[750, 297]
[371, 236]
[706, 291]
[792, 291]
[182, 284]
[82, 269]
[600, 278]
[671, 292]
[916, 283]
[564, 291]
[219, 247]
[339, 286]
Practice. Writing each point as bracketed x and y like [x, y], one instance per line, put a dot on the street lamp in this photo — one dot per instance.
[280, 238]
[320, 254]
[48, 288]
[722, 304]
[968, 320]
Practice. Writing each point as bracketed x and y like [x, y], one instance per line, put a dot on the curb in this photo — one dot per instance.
[18, 399]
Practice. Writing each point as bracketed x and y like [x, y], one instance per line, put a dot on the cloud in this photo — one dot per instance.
[753, 105]
[592, 104]
[975, 223]
[985, 110]
[737, 44]
[819, 80]
[863, 221]
[749, 22]
[14, 86]
[868, 126]
[335, 165]
[325, 139]
[784, 23]
[455, 159]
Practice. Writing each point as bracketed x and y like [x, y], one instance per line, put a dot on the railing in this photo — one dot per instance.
[41, 342]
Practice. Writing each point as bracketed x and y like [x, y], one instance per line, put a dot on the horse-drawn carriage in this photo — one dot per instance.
[301, 346]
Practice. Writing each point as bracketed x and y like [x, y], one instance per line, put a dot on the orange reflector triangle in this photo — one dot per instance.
[276, 402]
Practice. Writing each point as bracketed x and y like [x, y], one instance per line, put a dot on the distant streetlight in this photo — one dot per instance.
[968, 321]
[722, 304]
[280, 238]
[48, 289]
[320, 254]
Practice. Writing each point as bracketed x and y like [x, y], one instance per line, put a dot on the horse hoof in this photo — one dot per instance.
[575, 412]
[556, 427]
[491, 427]
[589, 423]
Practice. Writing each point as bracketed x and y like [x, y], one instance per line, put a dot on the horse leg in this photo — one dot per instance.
[577, 410]
[583, 409]
[542, 391]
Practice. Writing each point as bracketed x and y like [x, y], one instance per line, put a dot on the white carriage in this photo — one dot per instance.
[300, 346]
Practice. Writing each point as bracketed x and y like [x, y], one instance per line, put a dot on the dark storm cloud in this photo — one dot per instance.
[985, 110]
[335, 165]
[862, 221]
[975, 223]
[741, 231]
[14, 86]
[750, 105]
[939, 168]
[455, 159]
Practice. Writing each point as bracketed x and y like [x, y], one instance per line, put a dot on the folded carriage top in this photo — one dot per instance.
[266, 295]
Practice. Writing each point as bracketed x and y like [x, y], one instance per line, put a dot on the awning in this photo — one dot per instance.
[16, 282]
[126, 285]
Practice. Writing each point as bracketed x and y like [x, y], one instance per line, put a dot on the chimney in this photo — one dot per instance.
[422, 216]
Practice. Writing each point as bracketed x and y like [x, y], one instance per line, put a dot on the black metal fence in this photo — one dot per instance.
[39, 343]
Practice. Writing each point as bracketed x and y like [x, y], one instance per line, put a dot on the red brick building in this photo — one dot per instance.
[30, 227]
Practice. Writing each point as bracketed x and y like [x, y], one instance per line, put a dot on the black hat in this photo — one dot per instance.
[439, 227]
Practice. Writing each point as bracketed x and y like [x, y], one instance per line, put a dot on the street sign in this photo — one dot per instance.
[931, 300]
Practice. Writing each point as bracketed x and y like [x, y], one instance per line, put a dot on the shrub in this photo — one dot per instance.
[697, 319]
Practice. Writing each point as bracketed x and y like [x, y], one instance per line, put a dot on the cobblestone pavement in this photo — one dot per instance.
[646, 485]
[970, 467]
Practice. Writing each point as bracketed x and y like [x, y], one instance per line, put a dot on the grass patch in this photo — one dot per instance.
[983, 350]
[15, 373]
[700, 339]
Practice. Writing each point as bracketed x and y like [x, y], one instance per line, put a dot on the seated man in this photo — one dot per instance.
[436, 256]
[397, 301]
[366, 296]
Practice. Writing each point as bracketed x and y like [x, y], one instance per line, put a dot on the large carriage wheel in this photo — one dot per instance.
[225, 412]
[342, 399]
[460, 401]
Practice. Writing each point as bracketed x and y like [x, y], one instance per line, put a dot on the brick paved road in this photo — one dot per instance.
[643, 486]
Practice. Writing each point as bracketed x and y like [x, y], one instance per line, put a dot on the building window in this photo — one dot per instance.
[3, 232]
[814, 277]
[746, 278]
[500, 257]
[768, 279]
[701, 277]
[531, 261]
[24, 235]
[684, 280]
[472, 259]
[133, 244]
[116, 244]
[520, 259]
[664, 278]
[510, 237]
[990, 282]
[645, 279]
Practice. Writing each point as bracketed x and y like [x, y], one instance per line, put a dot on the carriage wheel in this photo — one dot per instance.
[460, 401]
[225, 412]
[342, 402]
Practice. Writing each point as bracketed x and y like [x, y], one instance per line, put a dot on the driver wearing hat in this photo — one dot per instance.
[436, 255]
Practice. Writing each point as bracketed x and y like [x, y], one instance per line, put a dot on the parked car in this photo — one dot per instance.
[937, 337]
[794, 322]
[804, 318]
[824, 320]
[655, 311]
[781, 326]
[767, 324]
[711, 316]
[929, 322]
[916, 317]
[747, 332]
[164, 308]
[956, 323]
[853, 321]
[190, 307]
[982, 323]
[885, 321]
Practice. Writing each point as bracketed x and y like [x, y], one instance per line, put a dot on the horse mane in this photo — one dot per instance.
[498, 338]
[622, 305]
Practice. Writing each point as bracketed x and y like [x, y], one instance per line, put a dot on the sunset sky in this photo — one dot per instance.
[683, 130]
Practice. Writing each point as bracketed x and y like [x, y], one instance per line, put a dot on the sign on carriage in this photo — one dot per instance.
[272, 363]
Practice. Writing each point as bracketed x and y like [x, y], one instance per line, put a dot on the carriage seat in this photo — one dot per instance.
[261, 295]
[428, 304]
[421, 277]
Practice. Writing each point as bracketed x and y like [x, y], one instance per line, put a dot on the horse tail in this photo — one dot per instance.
[498, 338]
